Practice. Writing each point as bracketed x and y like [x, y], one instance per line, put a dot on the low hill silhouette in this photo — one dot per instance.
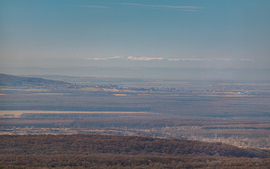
[19, 81]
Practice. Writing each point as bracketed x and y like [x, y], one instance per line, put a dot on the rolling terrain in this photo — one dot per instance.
[123, 152]
[174, 115]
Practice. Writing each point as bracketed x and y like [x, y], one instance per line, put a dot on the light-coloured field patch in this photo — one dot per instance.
[250, 84]
[49, 93]
[110, 90]
[120, 94]
[235, 95]
[17, 113]
[88, 89]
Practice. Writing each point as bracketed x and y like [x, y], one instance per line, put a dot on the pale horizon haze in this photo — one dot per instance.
[137, 38]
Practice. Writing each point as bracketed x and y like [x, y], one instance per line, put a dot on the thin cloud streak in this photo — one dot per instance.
[248, 60]
[173, 59]
[107, 58]
[96, 59]
[128, 58]
[117, 57]
[170, 59]
[185, 8]
[223, 59]
[192, 59]
[218, 59]
[143, 58]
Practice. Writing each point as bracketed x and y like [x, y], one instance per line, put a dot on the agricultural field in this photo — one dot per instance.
[25, 90]
[18, 113]
[227, 112]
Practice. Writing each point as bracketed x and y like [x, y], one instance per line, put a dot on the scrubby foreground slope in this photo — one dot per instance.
[125, 145]
[105, 161]
[123, 151]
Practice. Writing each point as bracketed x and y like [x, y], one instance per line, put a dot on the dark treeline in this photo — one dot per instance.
[112, 152]
[125, 145]
[109, 161]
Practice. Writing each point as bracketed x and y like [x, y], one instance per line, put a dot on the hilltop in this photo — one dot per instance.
[108, 151]
[125, 145]
[19, 81]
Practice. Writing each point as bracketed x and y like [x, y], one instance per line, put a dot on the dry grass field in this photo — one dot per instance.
[17, 113]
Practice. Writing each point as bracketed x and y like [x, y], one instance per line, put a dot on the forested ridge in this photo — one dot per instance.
[110, 151]
[125, 145]
[110, 161]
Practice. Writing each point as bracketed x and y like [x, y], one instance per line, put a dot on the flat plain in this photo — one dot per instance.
[229, 112]
[18, 113]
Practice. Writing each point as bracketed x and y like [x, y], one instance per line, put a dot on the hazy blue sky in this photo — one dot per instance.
[93, 31]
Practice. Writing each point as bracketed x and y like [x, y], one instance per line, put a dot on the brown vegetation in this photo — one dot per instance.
[126, 145]
[230, 101]
[104, 151]
[110, 161]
